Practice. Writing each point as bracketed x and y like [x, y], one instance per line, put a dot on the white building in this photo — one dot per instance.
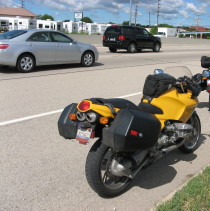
[15, 18]
[70, 27]
[20, 18]
[43, 24]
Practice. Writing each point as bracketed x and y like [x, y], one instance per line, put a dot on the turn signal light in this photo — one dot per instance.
[84, 105]
[104, 120]
[73, 116]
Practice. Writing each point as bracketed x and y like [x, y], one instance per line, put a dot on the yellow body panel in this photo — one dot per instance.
[175, 106]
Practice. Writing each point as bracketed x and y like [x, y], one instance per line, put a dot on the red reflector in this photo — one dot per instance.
[134, 133]
[121, 37]
[84, 105]
[4, 46]
[104, 37]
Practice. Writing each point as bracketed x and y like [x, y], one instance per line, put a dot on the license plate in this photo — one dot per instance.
[112, 39]
[208, 82]
[83, 135]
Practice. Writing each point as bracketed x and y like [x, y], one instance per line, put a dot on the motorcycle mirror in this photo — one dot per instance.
[158, 71]
[206, 73]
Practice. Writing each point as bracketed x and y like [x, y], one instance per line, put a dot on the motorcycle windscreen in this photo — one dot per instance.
[132, 130]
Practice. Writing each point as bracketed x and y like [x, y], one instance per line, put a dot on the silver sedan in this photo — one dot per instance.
[26, 49]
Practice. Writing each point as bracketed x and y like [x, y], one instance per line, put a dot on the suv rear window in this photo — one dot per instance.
[113, 30]
[12, 34]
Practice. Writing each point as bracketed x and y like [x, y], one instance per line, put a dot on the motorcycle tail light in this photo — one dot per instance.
[91, 117]
[84, 105]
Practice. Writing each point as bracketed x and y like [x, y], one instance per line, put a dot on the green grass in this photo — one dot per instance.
[195, 196]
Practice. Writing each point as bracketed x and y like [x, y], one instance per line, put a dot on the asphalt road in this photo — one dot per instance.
[42, 171]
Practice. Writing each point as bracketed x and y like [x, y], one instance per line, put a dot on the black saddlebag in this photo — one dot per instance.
[205, 62]
[132, 130]
[156, 84]
[66, 127]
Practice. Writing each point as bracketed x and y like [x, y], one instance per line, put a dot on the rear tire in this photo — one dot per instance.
[98, 174]
[193, 142]
[25, 63]
[132, 48]
[113, 50]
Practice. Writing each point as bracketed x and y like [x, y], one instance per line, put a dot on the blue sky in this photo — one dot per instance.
[174, 12]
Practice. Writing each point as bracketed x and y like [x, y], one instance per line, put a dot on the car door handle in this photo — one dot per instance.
[57, 45]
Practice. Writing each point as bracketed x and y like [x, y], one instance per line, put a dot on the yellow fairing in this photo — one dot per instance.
[175, 106]
[100, 109]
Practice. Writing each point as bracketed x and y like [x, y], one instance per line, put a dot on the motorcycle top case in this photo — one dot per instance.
[66, 127]
[132, 130]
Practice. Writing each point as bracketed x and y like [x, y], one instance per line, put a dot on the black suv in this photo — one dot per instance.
[131, 38]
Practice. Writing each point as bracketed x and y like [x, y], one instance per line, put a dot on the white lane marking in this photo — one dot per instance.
[52, 112]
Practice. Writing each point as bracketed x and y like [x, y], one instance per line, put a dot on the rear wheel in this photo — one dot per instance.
[113, 50]
[25, 63]
[98, 173]
[132, 48]
[192, 143]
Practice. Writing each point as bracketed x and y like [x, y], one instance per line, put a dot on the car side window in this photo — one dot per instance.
[139, 32]
[146, 33]
[39, 37]
[127, 31]
[58, 37]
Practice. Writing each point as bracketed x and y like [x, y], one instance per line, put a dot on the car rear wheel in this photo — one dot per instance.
[25, 63]
[132, 48]
[156, 47]
[113, 50]
[87, 59]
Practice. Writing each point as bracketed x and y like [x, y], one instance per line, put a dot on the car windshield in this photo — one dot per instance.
[178, 71]
[12, 34]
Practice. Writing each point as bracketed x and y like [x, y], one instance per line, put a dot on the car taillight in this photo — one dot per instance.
[84, 105]
[4, 46]
[104, 37]
[121, 37]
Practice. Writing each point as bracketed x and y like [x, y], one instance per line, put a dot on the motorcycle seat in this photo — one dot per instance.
[147, 107]
[122, 103]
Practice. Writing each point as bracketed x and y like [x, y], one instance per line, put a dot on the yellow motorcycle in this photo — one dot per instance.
[130, 137]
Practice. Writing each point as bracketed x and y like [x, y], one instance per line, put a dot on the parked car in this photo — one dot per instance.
[160, 34]
[26, 49]
[131, 38]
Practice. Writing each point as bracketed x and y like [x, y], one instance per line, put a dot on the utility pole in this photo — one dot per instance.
[130, 12]
[136, 10]
[22, 3]
[158, 13]
[197, 20]
[149, 19]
